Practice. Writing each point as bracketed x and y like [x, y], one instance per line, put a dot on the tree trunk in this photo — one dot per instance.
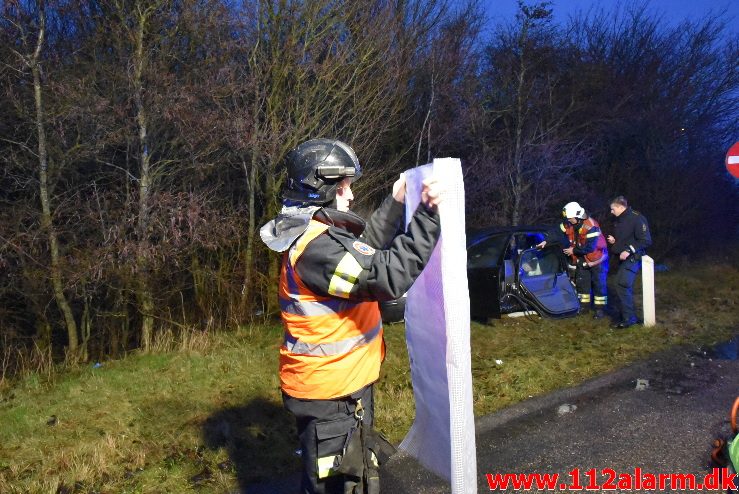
[426, 121]
[250, 175]
[46, 219]
[86, 327]
[42, 338]
[517, 176]
[251, 228]
[143, 292]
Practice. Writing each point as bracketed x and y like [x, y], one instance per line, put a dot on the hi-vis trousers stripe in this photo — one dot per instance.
[327, 465]
[298, 347]
[584, 297]
[600, 300]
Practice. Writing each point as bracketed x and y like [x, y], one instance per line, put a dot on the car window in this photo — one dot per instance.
[486, 253]
[537, 262]
[521, 242]
[528, 240]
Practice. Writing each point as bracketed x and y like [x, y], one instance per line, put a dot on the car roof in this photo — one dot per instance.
[480, 233]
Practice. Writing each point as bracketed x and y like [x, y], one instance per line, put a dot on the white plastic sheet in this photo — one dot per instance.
[437, 318]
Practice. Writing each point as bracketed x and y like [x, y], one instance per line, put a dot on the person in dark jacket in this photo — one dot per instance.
[629, 242]
[335, 269]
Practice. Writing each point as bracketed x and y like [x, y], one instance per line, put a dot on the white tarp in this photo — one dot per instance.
[437, 318]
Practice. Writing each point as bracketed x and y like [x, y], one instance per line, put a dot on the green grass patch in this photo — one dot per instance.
[210, 418]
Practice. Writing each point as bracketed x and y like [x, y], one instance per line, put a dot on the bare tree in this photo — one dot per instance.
[535, 110]
[32, 34]
[663, 110]
[312, 69]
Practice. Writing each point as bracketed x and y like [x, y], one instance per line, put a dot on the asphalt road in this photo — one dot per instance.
[666, 428]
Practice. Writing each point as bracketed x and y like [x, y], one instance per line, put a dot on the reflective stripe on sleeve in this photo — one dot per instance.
[345, 277]
[294, 345]
[340, 287]
[562, 227]
[593, 234]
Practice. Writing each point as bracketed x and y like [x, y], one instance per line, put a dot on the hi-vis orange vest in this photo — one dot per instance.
[584, 234]
[332, 347]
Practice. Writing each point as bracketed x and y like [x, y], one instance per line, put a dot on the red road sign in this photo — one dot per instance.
[732, 160]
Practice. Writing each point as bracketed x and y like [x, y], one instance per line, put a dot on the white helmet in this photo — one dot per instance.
[573, 210]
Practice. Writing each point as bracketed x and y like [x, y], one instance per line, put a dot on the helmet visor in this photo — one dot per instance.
[353, 156]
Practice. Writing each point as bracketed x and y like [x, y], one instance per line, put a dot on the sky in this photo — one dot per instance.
[673, 10]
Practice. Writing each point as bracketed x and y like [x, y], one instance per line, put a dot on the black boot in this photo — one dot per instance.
[599, 314]
[627, 324]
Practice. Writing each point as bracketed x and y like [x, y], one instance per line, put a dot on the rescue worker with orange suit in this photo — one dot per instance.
[588, 252]
[335, 269]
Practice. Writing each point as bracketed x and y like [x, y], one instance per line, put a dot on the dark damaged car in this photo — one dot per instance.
[506, 273]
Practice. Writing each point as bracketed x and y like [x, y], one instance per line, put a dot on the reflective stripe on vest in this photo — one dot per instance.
[585, 233]
[315, 228]
[297, 347]
[313, 308]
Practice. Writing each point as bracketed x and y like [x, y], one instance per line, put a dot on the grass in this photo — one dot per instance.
[205, 415]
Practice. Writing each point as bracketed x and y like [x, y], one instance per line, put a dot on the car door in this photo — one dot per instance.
[541, 276]
[485, 274]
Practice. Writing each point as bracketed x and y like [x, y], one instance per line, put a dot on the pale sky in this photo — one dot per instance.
[674, 10]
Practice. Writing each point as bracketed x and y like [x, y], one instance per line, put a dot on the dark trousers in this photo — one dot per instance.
[625, 277]
[323, 430]
[592, 279]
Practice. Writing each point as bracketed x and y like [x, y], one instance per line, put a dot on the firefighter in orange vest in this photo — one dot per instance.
[335, 268]
[588, 251]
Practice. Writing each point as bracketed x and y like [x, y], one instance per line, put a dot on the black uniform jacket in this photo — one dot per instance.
[390, 261]
[631, 232]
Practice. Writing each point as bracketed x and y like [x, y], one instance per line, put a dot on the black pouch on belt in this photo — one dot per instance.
[352, 462]
[333, 438]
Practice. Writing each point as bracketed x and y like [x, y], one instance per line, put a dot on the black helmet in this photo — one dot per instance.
[315, 167]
